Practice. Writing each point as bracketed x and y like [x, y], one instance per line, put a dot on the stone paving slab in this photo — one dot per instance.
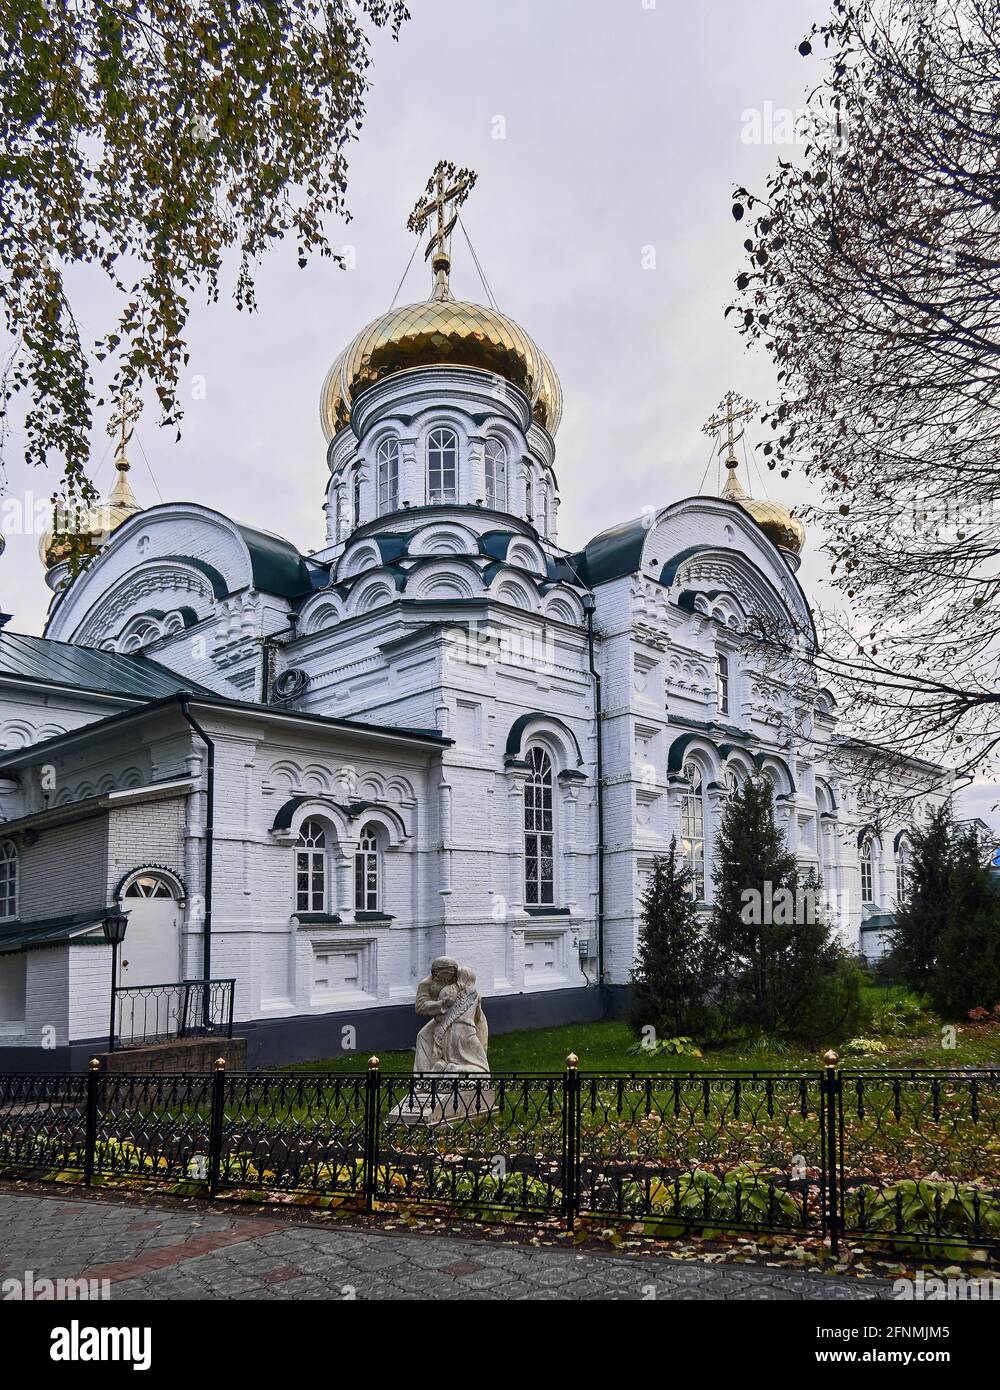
[155, 1252]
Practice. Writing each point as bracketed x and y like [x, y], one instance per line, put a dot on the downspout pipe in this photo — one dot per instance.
[206, 947]
[589, 605]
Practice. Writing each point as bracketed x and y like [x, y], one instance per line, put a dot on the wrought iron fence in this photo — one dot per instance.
[905, 1158]
[146, 1014]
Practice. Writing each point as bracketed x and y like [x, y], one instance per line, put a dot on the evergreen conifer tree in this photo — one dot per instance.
[669, 978]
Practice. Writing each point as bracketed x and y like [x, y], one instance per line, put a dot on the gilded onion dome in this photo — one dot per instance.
[441, 332]
[785, 530]
[95, 524]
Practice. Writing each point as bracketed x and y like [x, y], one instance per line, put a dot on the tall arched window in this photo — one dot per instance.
[539, 885]
[367, 887]
[868, 869]
[8, 879]
[529, 502]
[902, 871]
[693, 829]
[310, 868]
[722, 682]
[387, 468]
[442, 466]
[496, 475]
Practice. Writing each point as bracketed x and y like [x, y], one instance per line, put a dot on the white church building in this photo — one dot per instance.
[446, 732]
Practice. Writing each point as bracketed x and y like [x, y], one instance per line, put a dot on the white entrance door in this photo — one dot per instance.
[150, 953]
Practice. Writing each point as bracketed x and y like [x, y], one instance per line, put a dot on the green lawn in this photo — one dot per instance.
[603, 1047]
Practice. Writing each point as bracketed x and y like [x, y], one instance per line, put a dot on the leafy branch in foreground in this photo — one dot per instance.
[148, 139]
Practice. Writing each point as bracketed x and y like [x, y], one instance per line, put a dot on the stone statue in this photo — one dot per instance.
[455, 1040]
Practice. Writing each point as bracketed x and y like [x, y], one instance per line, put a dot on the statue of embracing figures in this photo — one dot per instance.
[455, 1040]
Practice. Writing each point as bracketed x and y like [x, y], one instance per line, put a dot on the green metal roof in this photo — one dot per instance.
[879, 921]
[43, 659]
[613, 553]
[85, 928]
[277, 566]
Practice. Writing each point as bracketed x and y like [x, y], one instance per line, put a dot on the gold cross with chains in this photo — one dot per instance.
[731, 410]
[446, 191]
[125, 413]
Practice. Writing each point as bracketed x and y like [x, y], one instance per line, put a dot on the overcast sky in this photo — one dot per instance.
[607, 135]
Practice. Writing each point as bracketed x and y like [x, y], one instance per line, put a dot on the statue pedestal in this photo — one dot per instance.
[451, 1102]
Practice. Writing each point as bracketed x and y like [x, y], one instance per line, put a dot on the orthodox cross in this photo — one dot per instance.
[732, 409]
[446, 191]
[125, 413]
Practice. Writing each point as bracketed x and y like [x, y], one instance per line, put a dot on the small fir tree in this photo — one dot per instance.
[669, 978]
[780, 966]
[967, 969]
[922, 919]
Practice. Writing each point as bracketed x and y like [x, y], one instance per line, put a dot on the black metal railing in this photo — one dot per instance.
[145, 1014]
[899, 1158]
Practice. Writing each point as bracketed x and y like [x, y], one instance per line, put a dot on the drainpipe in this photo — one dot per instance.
[589, 605]
[206, 950]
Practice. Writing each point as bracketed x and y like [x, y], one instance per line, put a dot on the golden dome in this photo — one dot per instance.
[786, 531]
[441, 332]
[95, 525]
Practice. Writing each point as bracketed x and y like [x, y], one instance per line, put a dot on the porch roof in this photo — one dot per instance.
[78, 927]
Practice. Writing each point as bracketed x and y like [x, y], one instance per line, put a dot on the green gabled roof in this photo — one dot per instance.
[26, 658]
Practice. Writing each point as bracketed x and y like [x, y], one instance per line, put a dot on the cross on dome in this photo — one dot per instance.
[732, 409]
[445, 192]
[775, 520]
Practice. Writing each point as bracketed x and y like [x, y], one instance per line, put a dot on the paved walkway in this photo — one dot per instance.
[163, 1253]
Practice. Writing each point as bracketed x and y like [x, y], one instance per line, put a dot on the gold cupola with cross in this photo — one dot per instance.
[82, 533]
[442, 330]
[776, 521]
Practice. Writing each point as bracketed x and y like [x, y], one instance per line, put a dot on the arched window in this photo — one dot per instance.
[722, 682]
[310, 868]
[539, 886]
[735, 778]
[356, 500]
[693, 829]
[496, 475]
[148, 886]
[529, 502]
[902, 871]
[8, 879]
[387, 467]
[868, 869]
[367, 887]
[442, 466]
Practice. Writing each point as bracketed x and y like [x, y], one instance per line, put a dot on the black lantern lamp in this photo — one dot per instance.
[114, 924]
